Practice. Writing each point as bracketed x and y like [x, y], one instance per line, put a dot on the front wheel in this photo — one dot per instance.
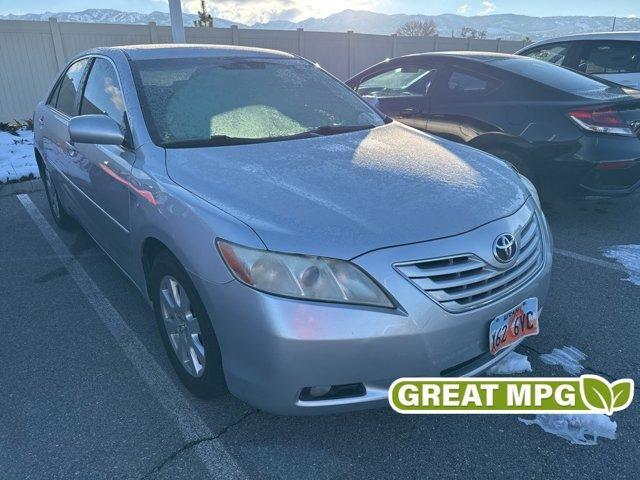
[186, 329]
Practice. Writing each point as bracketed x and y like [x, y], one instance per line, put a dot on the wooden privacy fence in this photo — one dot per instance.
[31, 53]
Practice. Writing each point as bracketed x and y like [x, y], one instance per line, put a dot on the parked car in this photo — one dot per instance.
[564, 130]
[298, 247]
[614, 56]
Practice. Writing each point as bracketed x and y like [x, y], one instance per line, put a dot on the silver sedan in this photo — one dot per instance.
[300, 249]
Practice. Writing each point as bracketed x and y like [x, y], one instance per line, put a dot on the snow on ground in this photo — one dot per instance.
[629, 257]
[512, 363]
[568, 358]
[16, 157]
[578, 429]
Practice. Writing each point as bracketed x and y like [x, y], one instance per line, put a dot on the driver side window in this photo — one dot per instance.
[405, 81]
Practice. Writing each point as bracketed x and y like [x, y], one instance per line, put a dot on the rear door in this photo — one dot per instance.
[614, 60]
[463, 104]
[401, 90]
[63, 104]
[106, 169]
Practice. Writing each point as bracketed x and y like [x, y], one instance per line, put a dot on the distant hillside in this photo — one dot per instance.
[507, 26]
[105, 15]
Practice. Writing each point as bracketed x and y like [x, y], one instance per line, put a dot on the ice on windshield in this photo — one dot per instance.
[195, 99]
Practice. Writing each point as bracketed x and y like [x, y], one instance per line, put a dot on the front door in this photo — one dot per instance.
[107, 168]
[401, 92]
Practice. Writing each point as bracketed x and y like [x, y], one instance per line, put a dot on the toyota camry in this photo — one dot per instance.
[299, 248]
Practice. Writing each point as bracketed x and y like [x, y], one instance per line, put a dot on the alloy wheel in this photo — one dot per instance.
[53, 195]
[182, 326]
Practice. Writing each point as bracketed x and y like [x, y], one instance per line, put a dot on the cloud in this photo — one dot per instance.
[632, 15]
[252, 11]
[487, 8]
[462, 9]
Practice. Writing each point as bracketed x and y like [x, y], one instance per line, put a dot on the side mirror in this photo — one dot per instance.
[371, 100]
[98, 129]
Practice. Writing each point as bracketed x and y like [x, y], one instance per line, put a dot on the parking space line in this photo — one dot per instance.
[591, 260]
[218, 462]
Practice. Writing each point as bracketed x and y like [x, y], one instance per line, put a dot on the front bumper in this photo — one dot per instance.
[274, 347]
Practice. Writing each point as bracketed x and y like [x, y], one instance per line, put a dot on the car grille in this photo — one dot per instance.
[463, 282]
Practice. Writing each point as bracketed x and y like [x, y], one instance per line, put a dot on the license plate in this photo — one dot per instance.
[514, 325]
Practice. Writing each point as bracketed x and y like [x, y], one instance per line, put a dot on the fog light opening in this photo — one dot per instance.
[325, 392]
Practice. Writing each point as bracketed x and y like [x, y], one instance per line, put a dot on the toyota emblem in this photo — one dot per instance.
[505, 248]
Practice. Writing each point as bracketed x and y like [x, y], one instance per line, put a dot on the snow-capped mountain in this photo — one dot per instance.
[507, 26]
[105, 15]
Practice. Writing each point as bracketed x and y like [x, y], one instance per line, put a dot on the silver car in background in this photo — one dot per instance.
[299, 248]
[614, 56]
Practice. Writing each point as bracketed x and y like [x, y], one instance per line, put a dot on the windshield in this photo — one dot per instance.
[552, 75]
[212, 101]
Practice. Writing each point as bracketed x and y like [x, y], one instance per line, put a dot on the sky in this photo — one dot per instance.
[251, 11]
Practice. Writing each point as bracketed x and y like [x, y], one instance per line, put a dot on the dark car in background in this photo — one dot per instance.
[566, 131]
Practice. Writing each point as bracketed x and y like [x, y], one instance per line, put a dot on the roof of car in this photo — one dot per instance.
[477, 56]
[157, 51]
[634, 36]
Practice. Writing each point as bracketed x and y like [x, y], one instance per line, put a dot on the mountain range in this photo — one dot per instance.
[506, 26]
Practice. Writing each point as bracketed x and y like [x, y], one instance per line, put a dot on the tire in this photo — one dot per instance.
[517, 162]
[60, 215]
[185, 328]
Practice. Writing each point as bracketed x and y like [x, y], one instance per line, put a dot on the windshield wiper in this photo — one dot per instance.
[335, 129]
[226, 140]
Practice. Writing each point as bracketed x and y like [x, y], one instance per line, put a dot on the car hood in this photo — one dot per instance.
[344, 195]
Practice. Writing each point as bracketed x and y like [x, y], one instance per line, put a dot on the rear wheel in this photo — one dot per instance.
[186, 329]
[517, 161]
[60, 215]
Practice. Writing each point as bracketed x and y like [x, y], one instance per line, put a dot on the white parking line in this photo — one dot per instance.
[591, 260]
[215, 458]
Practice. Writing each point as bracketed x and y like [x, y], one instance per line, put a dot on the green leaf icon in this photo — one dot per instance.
[622, 393]
[597, 393]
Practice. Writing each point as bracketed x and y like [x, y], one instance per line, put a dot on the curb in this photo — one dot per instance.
[28, 186]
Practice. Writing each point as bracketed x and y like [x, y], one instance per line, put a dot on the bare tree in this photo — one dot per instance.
[468, 32]
[418, 28]
[204, 18]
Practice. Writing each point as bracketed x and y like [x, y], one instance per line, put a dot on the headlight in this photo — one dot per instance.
[532, 189]
[302, 276]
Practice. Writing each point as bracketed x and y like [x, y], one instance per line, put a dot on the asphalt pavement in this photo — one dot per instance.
[86, 390]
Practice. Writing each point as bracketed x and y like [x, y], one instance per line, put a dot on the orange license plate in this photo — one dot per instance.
[514, 325]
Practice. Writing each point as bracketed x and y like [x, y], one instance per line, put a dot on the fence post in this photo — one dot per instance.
[349, 53]
[234, 35]
[468, 43]
[394, 45]
[56, 38]
[435, 43]
[153, 32]
[300, 41]
[498, 45]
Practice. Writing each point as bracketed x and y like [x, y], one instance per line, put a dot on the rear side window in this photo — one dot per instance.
[407, 81]
[609, 57]
[102, 93]
[467, 83]
[553, 53]
[65, 99]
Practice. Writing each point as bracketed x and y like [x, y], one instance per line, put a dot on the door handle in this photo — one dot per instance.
[71, 149]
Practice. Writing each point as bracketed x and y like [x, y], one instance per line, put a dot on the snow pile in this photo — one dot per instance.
[16, 157]
[577, 429]
[629, 257]
[512, 363]
[568, 358]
